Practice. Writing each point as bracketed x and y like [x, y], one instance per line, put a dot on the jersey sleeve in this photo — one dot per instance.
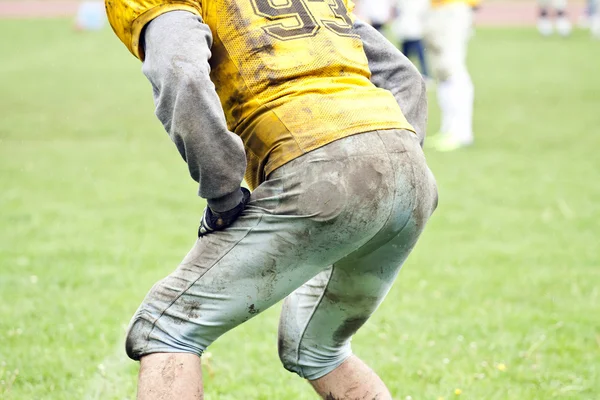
[128, 17]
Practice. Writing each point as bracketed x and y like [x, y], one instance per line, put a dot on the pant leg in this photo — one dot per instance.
[448, 34]
[308, 214]
[415, 47]
[319, 319]
[406, 48]
[422, 60]
[447, 39]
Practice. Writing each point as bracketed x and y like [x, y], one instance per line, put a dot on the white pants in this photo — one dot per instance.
[328, 231]
[447, 35]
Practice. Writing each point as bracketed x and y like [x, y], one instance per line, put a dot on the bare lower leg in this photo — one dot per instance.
[351, 380]
[170, 376]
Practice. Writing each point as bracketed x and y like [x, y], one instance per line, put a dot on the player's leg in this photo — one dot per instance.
[435, 31]
[420, 49]
[409, 27]
[544, 23]
[353, 379]
[592, 7]
[563, 24]
[311, 212]
[170, 376]
[406, 48]
[319, 319]
[455, 88]
[595, 19]
[415, 48]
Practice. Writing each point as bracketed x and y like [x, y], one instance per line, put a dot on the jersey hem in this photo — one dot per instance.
[281, 159]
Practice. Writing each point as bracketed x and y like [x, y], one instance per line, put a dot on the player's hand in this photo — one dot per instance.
[216, 221]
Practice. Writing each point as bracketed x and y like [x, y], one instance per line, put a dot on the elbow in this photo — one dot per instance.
[177, 73]
[177, 89]
[417, 81]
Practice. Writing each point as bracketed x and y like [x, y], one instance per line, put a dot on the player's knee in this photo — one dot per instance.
[146, 336]
[287, 350]
[136, 339]
[450, 68]
[443, 72]
[310, 360]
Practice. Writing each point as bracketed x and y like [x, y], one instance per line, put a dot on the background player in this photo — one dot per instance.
[376, 12]
[409, 27]
[546, 23]
[447, 33]
[342, 190]
[594, 10]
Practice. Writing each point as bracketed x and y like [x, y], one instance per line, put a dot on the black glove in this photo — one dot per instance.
[216, 221]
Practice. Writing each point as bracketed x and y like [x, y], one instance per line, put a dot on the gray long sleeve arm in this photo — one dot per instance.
[391, 70]
[177, 49]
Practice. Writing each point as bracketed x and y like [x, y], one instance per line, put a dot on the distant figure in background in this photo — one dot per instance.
[91, 16]
[585, 19]
[545, 24]
[594, 10]
[376, 12]
[447, 32]
[409, 28]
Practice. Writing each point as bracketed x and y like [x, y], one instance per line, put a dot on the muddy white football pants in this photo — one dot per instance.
[328, 231]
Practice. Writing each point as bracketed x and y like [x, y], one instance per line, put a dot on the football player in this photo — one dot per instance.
[546, 23]
[448, 30]
[324, 118]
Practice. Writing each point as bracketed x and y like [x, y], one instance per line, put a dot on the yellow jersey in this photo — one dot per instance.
[291, 75]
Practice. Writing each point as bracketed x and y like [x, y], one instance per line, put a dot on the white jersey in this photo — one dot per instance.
[375, 11]
[410, 24]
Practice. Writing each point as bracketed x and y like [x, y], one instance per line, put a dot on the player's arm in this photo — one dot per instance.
[175, 47]
[391, 70]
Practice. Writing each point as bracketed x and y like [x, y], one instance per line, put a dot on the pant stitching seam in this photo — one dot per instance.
[333, 265]
[196, 280]
[310, 319]
[395, 186]
[412, 205]
[395, 195]
[204, 273]
[414, 186]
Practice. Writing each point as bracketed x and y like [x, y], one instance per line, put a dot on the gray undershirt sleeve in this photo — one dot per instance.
[391, 70]
[177, 48]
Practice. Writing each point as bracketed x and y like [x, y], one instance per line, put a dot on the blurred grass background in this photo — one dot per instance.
[500, 300]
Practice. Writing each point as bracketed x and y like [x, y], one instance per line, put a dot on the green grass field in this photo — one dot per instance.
[500, 300]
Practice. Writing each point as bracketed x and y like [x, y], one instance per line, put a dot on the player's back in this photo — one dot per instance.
[292, 76]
